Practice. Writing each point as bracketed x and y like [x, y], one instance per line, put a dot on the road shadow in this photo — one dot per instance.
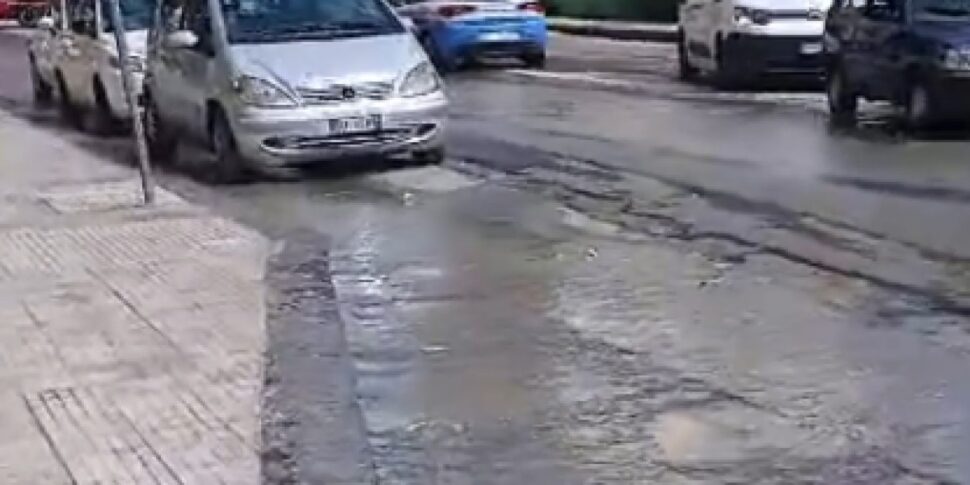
[192, 161]
[888, 125]
[768, 84]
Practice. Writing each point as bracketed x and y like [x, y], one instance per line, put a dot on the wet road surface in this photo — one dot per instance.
[618, 278]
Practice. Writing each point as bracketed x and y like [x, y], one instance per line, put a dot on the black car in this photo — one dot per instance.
[914, 53]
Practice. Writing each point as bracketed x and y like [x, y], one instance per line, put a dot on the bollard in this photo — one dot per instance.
[138, 131]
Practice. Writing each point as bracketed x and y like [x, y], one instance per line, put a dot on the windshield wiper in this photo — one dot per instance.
[331, 28]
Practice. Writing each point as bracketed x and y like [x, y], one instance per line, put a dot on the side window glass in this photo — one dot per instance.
[83, 17]
[171, 15]
[195, 18]
[57, 15]
[854, 5]
[884, 10]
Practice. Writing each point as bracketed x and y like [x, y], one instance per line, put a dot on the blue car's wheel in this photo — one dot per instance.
[535, 60]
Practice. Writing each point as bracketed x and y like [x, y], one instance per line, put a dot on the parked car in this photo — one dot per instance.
[740, 40]
[25, 12]
[274, 85]
[914, 53]
[74, 55]
[455, 32]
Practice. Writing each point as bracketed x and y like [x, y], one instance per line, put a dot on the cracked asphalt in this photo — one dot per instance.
[616, 278]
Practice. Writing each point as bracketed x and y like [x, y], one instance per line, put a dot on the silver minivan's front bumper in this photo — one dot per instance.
[282, 137]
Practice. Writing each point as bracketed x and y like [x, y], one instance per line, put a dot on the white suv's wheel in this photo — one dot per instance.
[687, 71]
[726, 76]
[843, 101]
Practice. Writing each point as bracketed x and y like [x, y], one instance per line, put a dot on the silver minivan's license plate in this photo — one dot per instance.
[357, 124]
[811, 48]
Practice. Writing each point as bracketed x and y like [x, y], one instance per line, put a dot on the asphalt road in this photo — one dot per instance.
[616, 278]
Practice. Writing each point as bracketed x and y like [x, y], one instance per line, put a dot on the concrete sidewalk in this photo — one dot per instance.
[131, 339]
[615, 29]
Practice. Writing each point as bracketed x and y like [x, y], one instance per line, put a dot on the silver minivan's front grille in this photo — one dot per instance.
[342, 93]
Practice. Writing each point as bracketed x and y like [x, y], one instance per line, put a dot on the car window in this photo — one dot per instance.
[196, 19]
[57, 15]
[852, 5]
[943, 9]
[171, 15]
[283, 20]
[136, 14]
[82, 17]
[884, 10]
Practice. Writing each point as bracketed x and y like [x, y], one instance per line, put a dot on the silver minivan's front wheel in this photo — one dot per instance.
[230, 167]
[162, 142]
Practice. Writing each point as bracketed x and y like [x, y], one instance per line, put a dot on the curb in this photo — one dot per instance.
[616, 30]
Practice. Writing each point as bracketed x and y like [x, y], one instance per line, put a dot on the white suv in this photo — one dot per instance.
[74, 57]
[739, 40]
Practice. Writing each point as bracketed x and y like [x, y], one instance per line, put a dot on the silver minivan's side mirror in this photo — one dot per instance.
[181, 39]
[46, 23]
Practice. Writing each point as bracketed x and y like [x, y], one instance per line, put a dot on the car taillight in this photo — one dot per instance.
[449, 11]
[533, 7]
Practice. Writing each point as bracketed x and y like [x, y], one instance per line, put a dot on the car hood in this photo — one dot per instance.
[950, 32]
[318, 63]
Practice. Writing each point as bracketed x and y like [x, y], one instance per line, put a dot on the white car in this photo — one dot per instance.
[740, 40]
[74, 58]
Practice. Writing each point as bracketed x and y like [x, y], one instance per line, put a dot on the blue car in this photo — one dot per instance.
[455, 32]
[914, 53]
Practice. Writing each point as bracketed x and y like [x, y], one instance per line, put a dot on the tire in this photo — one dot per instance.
[920, 107]
[843, 100]
[104, 122]
[535, 60]
[687, 71]
[162, 141]
[726, 76]
[434, 156]
[229, 165]
[43, 92]
[69, 112]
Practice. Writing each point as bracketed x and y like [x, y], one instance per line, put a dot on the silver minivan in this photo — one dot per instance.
[274, 85]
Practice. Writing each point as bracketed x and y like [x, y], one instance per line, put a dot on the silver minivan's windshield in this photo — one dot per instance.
[260, 21]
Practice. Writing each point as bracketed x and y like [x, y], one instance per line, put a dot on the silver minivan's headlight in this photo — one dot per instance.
[421, 80]
[261, 93]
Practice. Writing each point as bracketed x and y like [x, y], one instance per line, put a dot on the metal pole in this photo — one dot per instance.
[144, 166]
